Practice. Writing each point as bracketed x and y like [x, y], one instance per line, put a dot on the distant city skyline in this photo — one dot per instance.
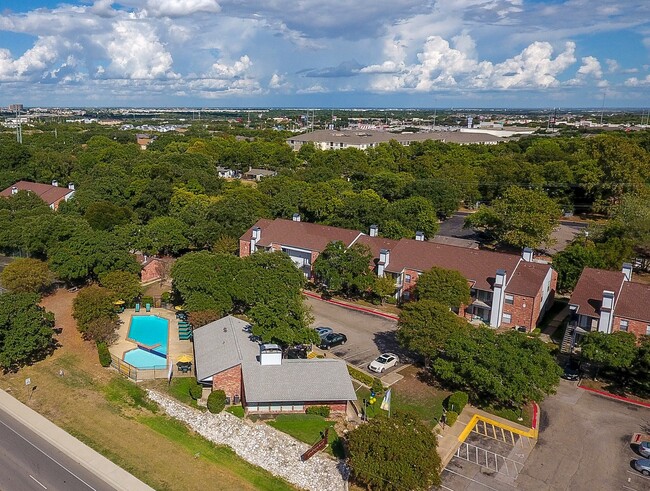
[336, 54]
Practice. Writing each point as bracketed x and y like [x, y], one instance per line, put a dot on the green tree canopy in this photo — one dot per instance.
[92, 303]
[124, 285]
[613, 351]
[570, 262]
[507, 370]
[521, 218]
[26, 275]
[445, 286]
[345, 270]
[25, 329]
[394, 454]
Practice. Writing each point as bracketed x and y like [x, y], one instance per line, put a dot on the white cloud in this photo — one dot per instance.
[314, 89]
[638, 82]
[590, 69]
[279, 82]
[225, 71]
[612, 65]
[181, 8]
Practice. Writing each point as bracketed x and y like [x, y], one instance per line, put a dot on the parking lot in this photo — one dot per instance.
[584, 444]
[368, 335]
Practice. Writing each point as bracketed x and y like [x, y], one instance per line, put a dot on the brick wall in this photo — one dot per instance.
[230, 381]
[521, 311]
[408, 286]
[638, 328]
[244, 248]
[339, 407]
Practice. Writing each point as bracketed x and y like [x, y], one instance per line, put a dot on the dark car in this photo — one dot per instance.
[331, 340]
[298, 352]
[571, 370]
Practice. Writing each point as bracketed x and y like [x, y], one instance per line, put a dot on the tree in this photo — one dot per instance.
[104, 215]
[445, 286]
[345, 269]
[26, 276]
[216, 401]
[102, 330]
[507, 370]
[639, 379]
[164, 235]
[384, 287]
[25, 329]
[521, 218]
[570, 263]
[123, 284]
[611, 351]
[394, 454]
[425, 326]
[93, 303]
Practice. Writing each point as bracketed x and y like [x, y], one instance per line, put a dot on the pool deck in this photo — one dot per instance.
[175, 347]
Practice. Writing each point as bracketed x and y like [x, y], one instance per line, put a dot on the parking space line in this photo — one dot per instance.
[470, 479]
[639, 475]
[627, 487]
[512, 435]
[482, 455]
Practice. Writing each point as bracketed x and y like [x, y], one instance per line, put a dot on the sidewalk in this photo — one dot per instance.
[451, 437]
[81, 453]
[350, 306]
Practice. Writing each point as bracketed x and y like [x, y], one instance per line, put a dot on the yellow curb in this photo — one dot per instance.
[532, 433]
[468, 428]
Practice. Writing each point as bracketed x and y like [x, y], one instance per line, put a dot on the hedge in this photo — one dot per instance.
[323, 411]
[364, 378]
[451, 417]
[457, 401]
[216, 401]
[104, 355]
[196, 391]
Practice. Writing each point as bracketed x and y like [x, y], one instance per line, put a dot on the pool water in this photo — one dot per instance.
[153, 333]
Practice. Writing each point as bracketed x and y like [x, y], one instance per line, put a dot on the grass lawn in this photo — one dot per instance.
[113, 416]
[308, 428]
[179, 389]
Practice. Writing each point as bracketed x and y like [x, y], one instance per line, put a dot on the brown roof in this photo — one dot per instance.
[48, 193]
[633, 302]
[303, 235]
[370, 137]
[377, 243]
[588, 293]
[527, 279]
[478, 266]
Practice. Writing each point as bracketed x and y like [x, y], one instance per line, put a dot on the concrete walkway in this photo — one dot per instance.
[451, 437]
[99, 465]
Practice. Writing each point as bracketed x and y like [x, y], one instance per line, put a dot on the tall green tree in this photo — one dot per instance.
[345, 269]
[25, 330]
[570, 263]
[521, 218]
[124, 285]
[611, 351]
[445, 286]
[26, 275]
[92, 303]
[394, 454]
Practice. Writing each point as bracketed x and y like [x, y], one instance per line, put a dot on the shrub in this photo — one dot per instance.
[451, 417]
[323, 411]
[457, 401]
[166, 297]
[377, 386]
[104, 354]
[391, 301]
[236, 411]
[196, 391]
[216, 401]
[364, 378]
[146, 300]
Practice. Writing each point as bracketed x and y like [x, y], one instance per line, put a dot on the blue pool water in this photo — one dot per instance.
[153, 333]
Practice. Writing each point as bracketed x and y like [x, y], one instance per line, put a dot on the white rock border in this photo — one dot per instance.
[260, 445]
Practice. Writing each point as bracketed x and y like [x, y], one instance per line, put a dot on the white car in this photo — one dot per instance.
[324, 331]
[383, 362]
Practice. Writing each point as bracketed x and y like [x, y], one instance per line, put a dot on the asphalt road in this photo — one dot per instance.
[29, 463]
[368, 335]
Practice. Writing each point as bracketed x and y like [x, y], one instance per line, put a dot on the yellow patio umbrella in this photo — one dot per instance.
[184, 358]
[180, 308]
[119, 302]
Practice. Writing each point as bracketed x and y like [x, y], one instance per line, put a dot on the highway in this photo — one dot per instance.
[28, 463]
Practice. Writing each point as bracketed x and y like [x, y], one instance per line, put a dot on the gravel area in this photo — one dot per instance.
[261, 445]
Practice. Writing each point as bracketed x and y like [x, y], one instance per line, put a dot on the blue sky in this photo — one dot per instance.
[366, 53]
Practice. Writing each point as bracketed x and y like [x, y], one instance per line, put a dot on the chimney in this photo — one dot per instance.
[71, 186]
[384, 259]
[257, 233]
[374, 230]
[627, 271]
[270, 354]
[55, 182]
[14, 190]
[606, 312]
[296, 217]
[419, 236]
[527, 254]
[498, 297]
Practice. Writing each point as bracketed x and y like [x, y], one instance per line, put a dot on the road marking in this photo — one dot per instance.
[465, 448]
[49, 457]
[470, 479]
[627, 487]
[38, 482]
[637, 474]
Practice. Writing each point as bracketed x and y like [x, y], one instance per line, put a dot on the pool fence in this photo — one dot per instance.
[149, 373]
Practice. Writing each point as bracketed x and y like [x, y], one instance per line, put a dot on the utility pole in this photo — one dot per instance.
[19, 127]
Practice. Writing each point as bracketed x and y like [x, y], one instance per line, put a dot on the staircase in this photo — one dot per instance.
[567, 341]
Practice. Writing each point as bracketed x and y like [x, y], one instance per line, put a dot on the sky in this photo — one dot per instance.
[334, 53]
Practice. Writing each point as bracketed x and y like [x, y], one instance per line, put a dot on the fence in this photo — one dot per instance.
[138, 374]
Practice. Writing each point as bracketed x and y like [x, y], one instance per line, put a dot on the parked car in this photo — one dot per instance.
[324, 331]
[644, 449]
[332, 339]
[383, 362]
[571, 370]
[643, 466]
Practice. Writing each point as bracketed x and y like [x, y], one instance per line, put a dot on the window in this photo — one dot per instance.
[407, 278]
[624, 324]
[506, 318]
[509, 299]
[647, 330]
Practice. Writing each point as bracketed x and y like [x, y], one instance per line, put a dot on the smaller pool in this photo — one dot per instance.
[152, 333]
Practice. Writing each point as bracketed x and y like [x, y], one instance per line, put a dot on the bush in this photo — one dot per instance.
[377, 386]
[104, 355]
[323, 411]
[146, 300]
[391, 301]
[196, 391]
[364, 378]
[216, 401]
[166, 297]
[451, 417]
[457, 401]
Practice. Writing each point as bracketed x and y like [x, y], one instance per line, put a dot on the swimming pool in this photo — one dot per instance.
[152, 333]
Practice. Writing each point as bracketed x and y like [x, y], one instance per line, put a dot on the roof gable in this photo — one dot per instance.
[588, 292]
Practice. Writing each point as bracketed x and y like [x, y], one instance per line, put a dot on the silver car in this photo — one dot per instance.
[383, 362]
[643, 466]
[644, 449]
[324, 331]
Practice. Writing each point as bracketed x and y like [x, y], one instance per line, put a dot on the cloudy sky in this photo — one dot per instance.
[335, 53]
